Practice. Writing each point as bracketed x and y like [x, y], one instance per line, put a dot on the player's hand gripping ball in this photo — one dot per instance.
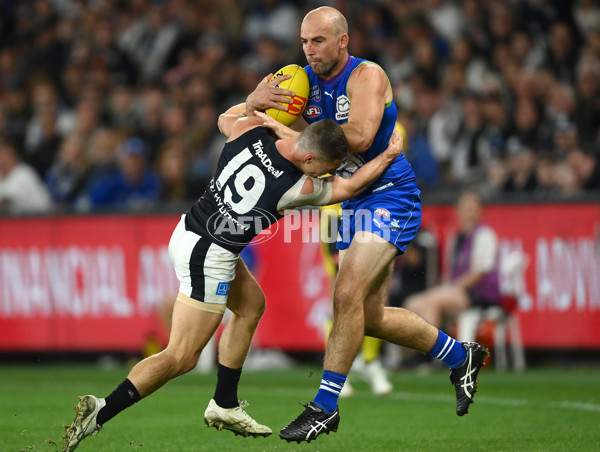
[298, 83]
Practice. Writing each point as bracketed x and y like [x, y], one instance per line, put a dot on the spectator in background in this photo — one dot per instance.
[565, 137]
[102, 155]
[120, 109]
[17, 111]
[544, 176]
[150, 39]
[106, 55]
[174, 171]
[67, 176]
[50, 118]
[268, 18]
[474, 67]
[134, 185]
[559, 108]
[475, 25]
[562, 55]
[472, 278]
[174, 123]
[72, 82]
[426, 63]
[527, 123]
[21, 189]
[587, 110]
[587, 14]
[497, 127]
[470, 155]
[527, 53]
[85, 118]
[586, 168]
[565, 179]
[149, 117]
[520, 163]
[72, 66]
[42, 152]
[446, 18]
[418, 152]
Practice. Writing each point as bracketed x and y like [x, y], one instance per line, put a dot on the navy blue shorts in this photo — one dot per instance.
[394, 214]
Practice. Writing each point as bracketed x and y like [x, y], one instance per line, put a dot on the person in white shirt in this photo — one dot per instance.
[21, 189]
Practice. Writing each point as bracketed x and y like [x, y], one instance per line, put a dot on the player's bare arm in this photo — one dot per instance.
[268, 95]
[344, 189]
[369, 91]
[234, 122]
[227, 119]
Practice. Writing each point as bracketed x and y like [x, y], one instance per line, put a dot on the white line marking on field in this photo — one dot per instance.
[566, 404]
[450, 398]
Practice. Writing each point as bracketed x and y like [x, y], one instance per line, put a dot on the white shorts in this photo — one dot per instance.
[204, 269]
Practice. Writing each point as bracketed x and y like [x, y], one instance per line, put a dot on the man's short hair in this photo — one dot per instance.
[325, 139]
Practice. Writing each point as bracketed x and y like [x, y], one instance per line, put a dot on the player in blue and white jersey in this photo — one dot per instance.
[376, 225]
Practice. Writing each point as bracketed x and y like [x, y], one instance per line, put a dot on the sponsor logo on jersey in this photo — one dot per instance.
[342, 107]
[297, 107]
[223, 288]
[312, 111]
[265, 160]
[382, 212]
[223, 228]
[315, 93]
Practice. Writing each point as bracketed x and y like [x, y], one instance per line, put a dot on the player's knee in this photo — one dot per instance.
[180, 360]
[258, 308]
[188, 363]
[348, 297]
[253, 306]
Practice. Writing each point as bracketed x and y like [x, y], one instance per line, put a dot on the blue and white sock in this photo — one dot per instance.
[329, 391]
[448, 350]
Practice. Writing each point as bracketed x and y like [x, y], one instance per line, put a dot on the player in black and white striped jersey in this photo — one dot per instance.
[257, 179]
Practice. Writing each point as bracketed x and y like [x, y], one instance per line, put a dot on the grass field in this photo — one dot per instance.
[540, 410]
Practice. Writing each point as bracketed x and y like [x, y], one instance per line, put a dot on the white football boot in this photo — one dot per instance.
[347, 390]
[84, 423]
[234, 419]
[377, 377]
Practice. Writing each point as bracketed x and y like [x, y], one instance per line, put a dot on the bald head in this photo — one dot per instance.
[330, 18]
[324, 36]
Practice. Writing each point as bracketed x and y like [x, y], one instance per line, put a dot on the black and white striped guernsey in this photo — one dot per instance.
[253, 182]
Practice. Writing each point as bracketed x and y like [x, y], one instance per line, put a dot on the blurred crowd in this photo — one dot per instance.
[113, 104]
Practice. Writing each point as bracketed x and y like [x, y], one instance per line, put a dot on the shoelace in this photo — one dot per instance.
[305, 415]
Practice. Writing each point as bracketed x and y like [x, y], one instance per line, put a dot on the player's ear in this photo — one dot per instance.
[308, 158]
[344, 40]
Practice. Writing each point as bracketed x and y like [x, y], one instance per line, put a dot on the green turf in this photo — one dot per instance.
[540, 410]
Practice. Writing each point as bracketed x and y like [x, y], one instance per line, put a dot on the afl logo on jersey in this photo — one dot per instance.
[315, 93]
[312, 111]
[382, 212]
[343, 108]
